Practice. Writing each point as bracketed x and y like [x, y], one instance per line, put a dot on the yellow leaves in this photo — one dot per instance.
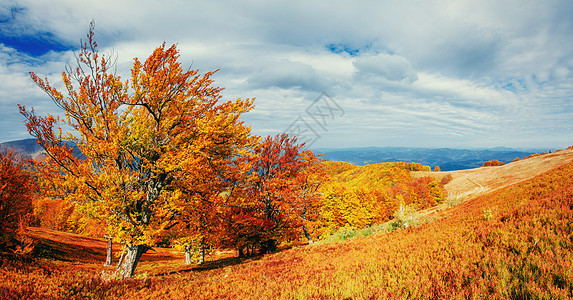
[159, 148]
[436, 192]
[362, 196]
[348, 207]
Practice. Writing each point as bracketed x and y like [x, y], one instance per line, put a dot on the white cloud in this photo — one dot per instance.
[287, 74]
[16, 87]
[467, 92]
[390, 67]
[441, 73]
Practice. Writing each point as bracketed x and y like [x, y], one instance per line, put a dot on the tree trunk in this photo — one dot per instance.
[108, 251]
[188, 256]
[128, 260]
[268, 246]
[201, 257]
[306, 234]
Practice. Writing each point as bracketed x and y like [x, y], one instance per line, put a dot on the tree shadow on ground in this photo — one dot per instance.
[212, 265]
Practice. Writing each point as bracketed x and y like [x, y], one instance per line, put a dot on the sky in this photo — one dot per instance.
[431, 74]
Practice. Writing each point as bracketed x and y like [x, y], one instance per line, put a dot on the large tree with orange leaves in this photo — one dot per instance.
[154, 147]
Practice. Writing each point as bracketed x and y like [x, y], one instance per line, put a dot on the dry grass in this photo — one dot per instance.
[514, 243]
[469, 184]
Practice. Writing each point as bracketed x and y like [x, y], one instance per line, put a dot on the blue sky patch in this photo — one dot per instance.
[343, 48]
[37, 45]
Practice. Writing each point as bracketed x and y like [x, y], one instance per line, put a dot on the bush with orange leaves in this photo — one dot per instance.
[493, 163]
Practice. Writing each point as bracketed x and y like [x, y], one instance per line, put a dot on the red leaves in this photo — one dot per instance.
[16, 191]
[279, 196]
[524, 251]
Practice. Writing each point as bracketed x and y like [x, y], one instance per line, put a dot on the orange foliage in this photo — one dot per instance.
[66, 216]
[336, 167]
[171, 161]
[278, 198]
[493, 163]
[16, 194]
[423, 192]
[537, 154]
[446, 179]
[514, 243]
[362, 196]
[156, 148]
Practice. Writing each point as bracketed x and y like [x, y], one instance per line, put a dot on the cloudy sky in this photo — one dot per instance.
[460, 74]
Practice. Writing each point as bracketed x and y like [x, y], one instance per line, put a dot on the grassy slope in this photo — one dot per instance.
[480, 181]
[516, 242]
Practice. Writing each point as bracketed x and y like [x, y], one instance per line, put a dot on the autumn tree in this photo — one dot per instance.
[197, 228]
[155, 146]
[307, 200]
[446, 179]
[280, 193]
[16, 186]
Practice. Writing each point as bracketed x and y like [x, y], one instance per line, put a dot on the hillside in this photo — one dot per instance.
[479, 181]
[511, 239]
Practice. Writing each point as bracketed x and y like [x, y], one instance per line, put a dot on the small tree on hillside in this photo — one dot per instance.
[155, 147]
[307, 203]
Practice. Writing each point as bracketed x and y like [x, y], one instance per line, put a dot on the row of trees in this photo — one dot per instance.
[165, 160]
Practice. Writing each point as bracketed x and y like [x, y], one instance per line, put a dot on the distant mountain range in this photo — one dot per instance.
[27, 148]
[447, 159]
[30, 148]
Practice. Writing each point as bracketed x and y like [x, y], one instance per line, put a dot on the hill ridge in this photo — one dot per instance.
[448, 159]
[475, 182]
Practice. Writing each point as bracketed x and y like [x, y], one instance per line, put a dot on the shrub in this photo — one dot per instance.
[404, 217]
[493, 163]
[454, 200]
[446, 179]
